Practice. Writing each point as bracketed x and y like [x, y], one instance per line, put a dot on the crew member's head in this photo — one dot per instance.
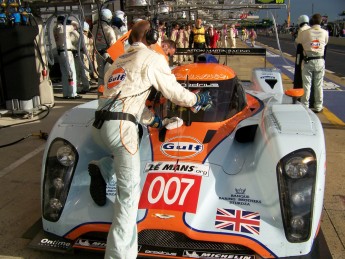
[169, 47]
[316, 19]
[61, 19]
[198, 23]
[142, 32]
[302, 20]
[119, 19]
[106, 15]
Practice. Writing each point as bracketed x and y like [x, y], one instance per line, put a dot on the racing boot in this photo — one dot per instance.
[97, 185]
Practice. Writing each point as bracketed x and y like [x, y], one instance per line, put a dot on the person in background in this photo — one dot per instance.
[82, 73]
[181, 40]
[252, 37]
[104, 37]
[243, 34]
[188, 30]
[173, 37]
[92, 53]
[161, 31]
[214, 37]
[119, 24]
[303, 23]
[197, 37]
[224, 36]
[233, 34]
[169, 47]
[63, 33]
[115, 128]
[314, 41]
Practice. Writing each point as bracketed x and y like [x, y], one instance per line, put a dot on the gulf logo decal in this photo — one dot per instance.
[117, 76]
[182, 147]
[315, 44]
[167, 191]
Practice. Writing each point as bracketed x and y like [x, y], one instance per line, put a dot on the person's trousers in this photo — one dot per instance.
[122, 240]
[102, 67]
[68, 74]
[82, 73]
[224, 42]
[312, 75]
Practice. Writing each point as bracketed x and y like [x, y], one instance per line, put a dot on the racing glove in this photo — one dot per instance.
[203, 101]
[156, 122]
[169, 123]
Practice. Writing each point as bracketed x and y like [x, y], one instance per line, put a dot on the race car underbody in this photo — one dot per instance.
[243, 180]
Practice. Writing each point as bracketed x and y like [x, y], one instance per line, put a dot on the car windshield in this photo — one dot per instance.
[228, 98]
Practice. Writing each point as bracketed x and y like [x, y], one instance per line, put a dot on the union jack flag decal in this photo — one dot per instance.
[238, 220]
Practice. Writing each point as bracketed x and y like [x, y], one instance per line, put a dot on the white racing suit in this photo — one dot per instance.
[104, 37]
[314, 41]
[66, 59]
[224, 38]
[232, 38]
[133, 74]
[82, 73]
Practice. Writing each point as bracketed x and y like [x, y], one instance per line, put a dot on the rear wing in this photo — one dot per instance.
[223, 52]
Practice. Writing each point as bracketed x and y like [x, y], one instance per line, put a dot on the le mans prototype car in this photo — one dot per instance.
[243, 180]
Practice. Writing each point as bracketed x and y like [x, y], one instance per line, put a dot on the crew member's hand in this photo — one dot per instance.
[156, 122]
[169, 123]
[172, 123]
[203, 101]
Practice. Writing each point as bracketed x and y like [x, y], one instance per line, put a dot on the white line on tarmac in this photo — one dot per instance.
[22, 160]
[329, 71]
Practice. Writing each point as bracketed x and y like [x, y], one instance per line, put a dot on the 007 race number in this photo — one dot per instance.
[171, 192]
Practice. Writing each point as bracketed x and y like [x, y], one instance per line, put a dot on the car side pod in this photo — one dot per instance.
[295, 94]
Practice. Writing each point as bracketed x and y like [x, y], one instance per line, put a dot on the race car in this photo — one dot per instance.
[244, 179]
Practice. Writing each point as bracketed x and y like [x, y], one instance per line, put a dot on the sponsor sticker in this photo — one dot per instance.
[205, 254]
[240, 221]
[182, 147]
[82, 242]
[315, 44]
[54, 243]
[111, 187]
[117, 76]
[240, 198]
[179, 192]
[177, 167]
[159, 252]
[200, 85]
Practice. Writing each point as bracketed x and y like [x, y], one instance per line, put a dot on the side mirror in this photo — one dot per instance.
[295, 94]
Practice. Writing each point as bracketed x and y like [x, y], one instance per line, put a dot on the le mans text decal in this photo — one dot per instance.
[238, 221]
[180, 167]
[167, 191]
[182, 147]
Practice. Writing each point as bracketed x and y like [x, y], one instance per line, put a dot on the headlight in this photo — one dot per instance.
[65, 155]
[296, 180]
[60, 165]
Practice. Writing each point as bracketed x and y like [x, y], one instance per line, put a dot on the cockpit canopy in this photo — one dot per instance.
[225, 88]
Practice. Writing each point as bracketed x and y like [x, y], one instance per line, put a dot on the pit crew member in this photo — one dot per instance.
[314, 41]
[128, 84]
[104, 37]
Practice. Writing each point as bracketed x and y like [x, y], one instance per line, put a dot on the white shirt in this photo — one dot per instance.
[314, 40]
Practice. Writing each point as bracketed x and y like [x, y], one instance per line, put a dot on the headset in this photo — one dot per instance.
[152, 34]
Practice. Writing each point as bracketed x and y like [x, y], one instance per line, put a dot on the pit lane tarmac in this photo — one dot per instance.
[20, 168]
